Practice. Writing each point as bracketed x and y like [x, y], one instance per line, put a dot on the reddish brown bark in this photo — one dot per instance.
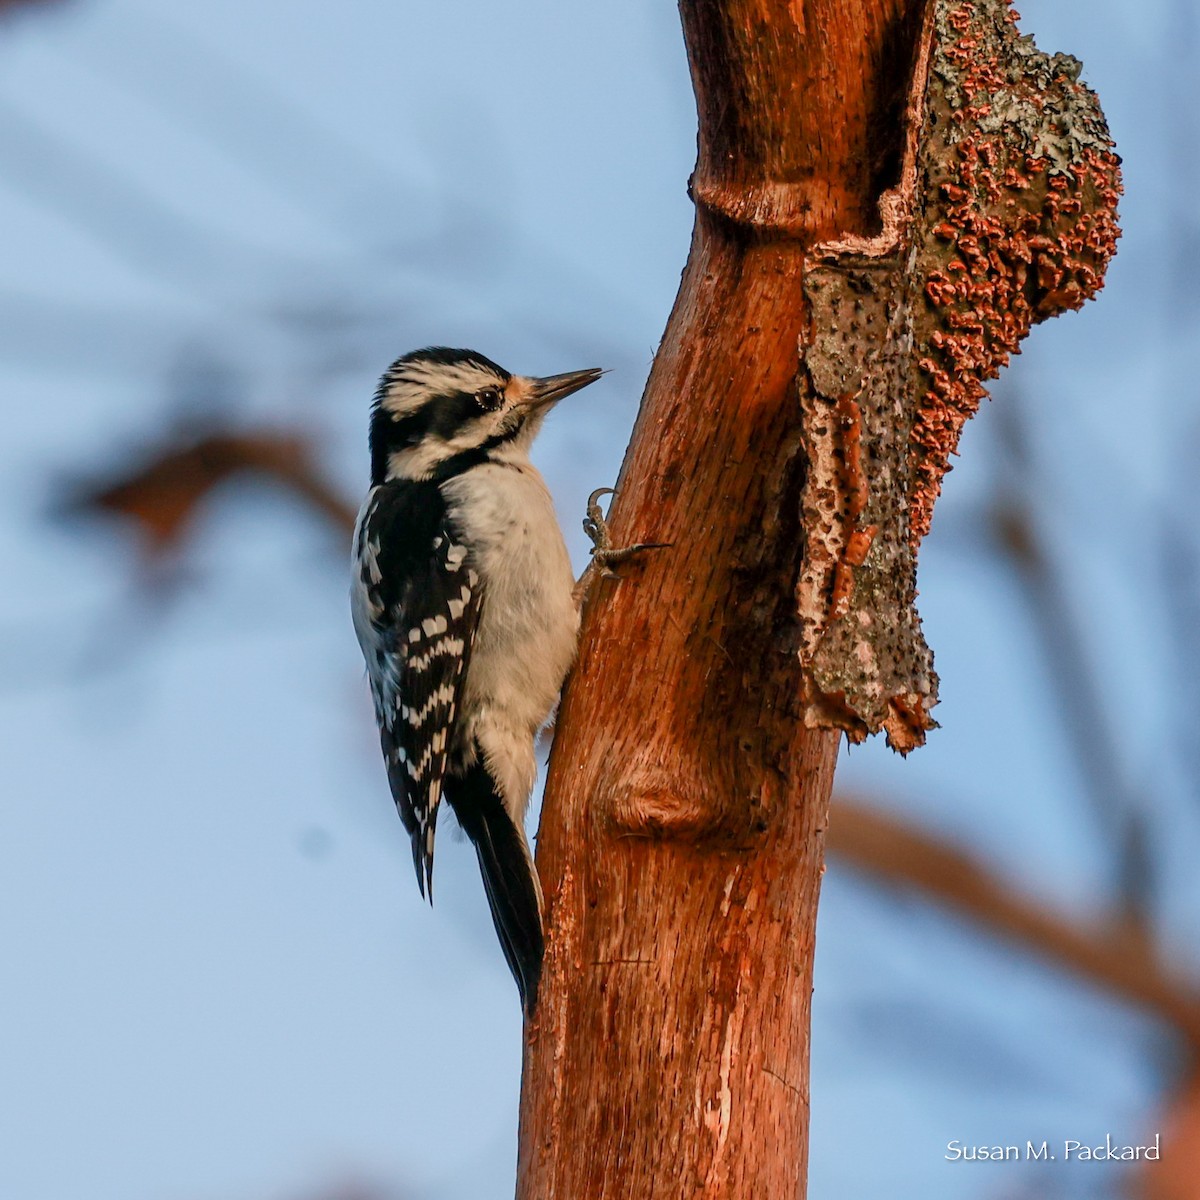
[888, 194]
[680, 845]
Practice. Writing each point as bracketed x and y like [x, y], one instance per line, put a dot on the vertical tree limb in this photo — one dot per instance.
[681, 849]
[793, 432]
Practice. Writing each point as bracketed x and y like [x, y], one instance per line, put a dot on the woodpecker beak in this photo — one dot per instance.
[551, 389]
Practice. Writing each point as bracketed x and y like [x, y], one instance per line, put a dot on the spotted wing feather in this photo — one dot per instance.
[421, 600]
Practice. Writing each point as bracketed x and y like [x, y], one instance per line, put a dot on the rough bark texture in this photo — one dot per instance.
[680, 847]
[1003, 214]
[784, 448]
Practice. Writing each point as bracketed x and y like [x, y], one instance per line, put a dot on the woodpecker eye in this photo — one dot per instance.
[489, 399]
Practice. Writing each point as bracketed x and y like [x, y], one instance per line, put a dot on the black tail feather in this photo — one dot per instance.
[422, 852]
[423, 862]
[508, 876]
[419, 861]
[422, 844]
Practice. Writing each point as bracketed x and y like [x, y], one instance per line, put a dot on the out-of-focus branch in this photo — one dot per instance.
[161, 495]
[1070, 671]
[1116, 955]
[1176, 1176]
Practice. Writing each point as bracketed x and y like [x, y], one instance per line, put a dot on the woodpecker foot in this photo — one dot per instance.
[604, 555]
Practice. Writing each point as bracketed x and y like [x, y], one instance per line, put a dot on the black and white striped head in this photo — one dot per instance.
[438, 410]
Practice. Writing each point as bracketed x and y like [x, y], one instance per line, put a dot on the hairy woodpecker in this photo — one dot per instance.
[467, 613]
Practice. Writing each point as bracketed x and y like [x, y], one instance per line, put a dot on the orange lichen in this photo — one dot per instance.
[856, 489]
[858, 545]
[1021, 217]
[861, 646]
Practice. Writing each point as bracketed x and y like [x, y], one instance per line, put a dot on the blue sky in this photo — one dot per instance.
[219, 981]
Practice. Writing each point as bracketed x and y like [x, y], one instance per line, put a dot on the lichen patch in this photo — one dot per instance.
[1006, 214]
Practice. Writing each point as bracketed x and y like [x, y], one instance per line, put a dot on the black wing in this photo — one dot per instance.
[417, 605]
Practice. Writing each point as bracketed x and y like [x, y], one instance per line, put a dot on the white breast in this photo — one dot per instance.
[529, 626]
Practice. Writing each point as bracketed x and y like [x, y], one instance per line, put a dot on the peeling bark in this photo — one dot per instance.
[1005, 214]
[821, 354]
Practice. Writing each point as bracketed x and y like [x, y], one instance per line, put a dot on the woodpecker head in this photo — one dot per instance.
[437, 406]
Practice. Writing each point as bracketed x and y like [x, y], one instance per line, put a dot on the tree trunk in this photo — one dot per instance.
[888, 194]
[680, 844]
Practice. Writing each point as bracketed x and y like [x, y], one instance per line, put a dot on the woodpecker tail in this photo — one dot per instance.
[509, 876]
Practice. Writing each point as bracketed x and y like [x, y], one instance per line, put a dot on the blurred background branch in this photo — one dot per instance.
[1112, 953]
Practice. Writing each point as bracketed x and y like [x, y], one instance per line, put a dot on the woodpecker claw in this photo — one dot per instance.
[594, 524]
[604, 555]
